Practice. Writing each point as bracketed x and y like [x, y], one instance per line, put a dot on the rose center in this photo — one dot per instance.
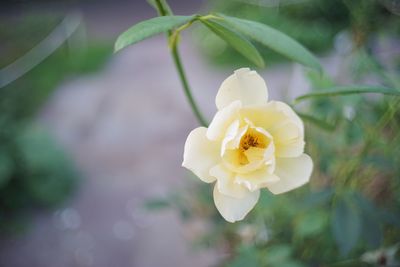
[251, 139]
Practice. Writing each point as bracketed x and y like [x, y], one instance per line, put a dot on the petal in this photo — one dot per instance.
[289, 141]
[235, 209]
[222, 120]
[257, 179]
[244, 85]
[235, 142]
[230, 134]
[200, 154]
[232, 161]
[226, 182]
[271, 115]
[282, 123]
[293, 173]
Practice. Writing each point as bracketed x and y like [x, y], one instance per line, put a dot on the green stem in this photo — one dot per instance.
[186, 87]
[162, 10]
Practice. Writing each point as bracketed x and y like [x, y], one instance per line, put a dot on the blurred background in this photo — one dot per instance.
[91, 142]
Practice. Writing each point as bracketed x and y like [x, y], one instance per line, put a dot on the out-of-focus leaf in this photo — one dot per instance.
[318, 122]
[365, 204]
[390, 218]
[277, 254]
[6, 168]
[349, 90]
[50, 188]
[311, 223]
[346, 225]
[246, 256]
[379, 161]
[317, 198]
[291, 263]
[38, 150]
[372, 231]
[353, 133]
[148, 28]
[280, 256]
[157, 204]
[50, 176]
[371, 227]
[236, 40]
[275, 40]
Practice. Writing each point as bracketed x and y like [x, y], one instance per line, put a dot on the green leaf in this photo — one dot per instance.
[148, 28]
[276, 254]
[371, 228]
[318, 198]
[245, 256]
[318, 122]
[350, 90]
[312, 223]
[236, 40]
[346, 225]
[50, 176]
[292, 263]
[392, 218]
[274, 39]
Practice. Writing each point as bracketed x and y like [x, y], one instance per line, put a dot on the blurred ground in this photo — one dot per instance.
[125, 128]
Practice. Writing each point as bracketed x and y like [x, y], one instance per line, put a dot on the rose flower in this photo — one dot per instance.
[250, 144]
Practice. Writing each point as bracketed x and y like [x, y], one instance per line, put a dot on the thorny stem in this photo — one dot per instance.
[172, 37]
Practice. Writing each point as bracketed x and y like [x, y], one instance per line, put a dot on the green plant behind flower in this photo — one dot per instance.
[352, 203]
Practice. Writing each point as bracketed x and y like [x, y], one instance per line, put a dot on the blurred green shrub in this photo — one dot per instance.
[35, 172]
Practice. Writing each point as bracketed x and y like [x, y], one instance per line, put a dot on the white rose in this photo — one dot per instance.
[250, 144]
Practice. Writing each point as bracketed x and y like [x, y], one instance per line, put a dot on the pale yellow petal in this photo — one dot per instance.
[230, 135]
[270, 115]
[235, 209]
[255, 154]
[235, 142]
[237, 162]
[289, 140]
[226, 182]
[282, 123]
[244, 85]
[292, 172]
[257, 179]
[200, 154]
[222, 120]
